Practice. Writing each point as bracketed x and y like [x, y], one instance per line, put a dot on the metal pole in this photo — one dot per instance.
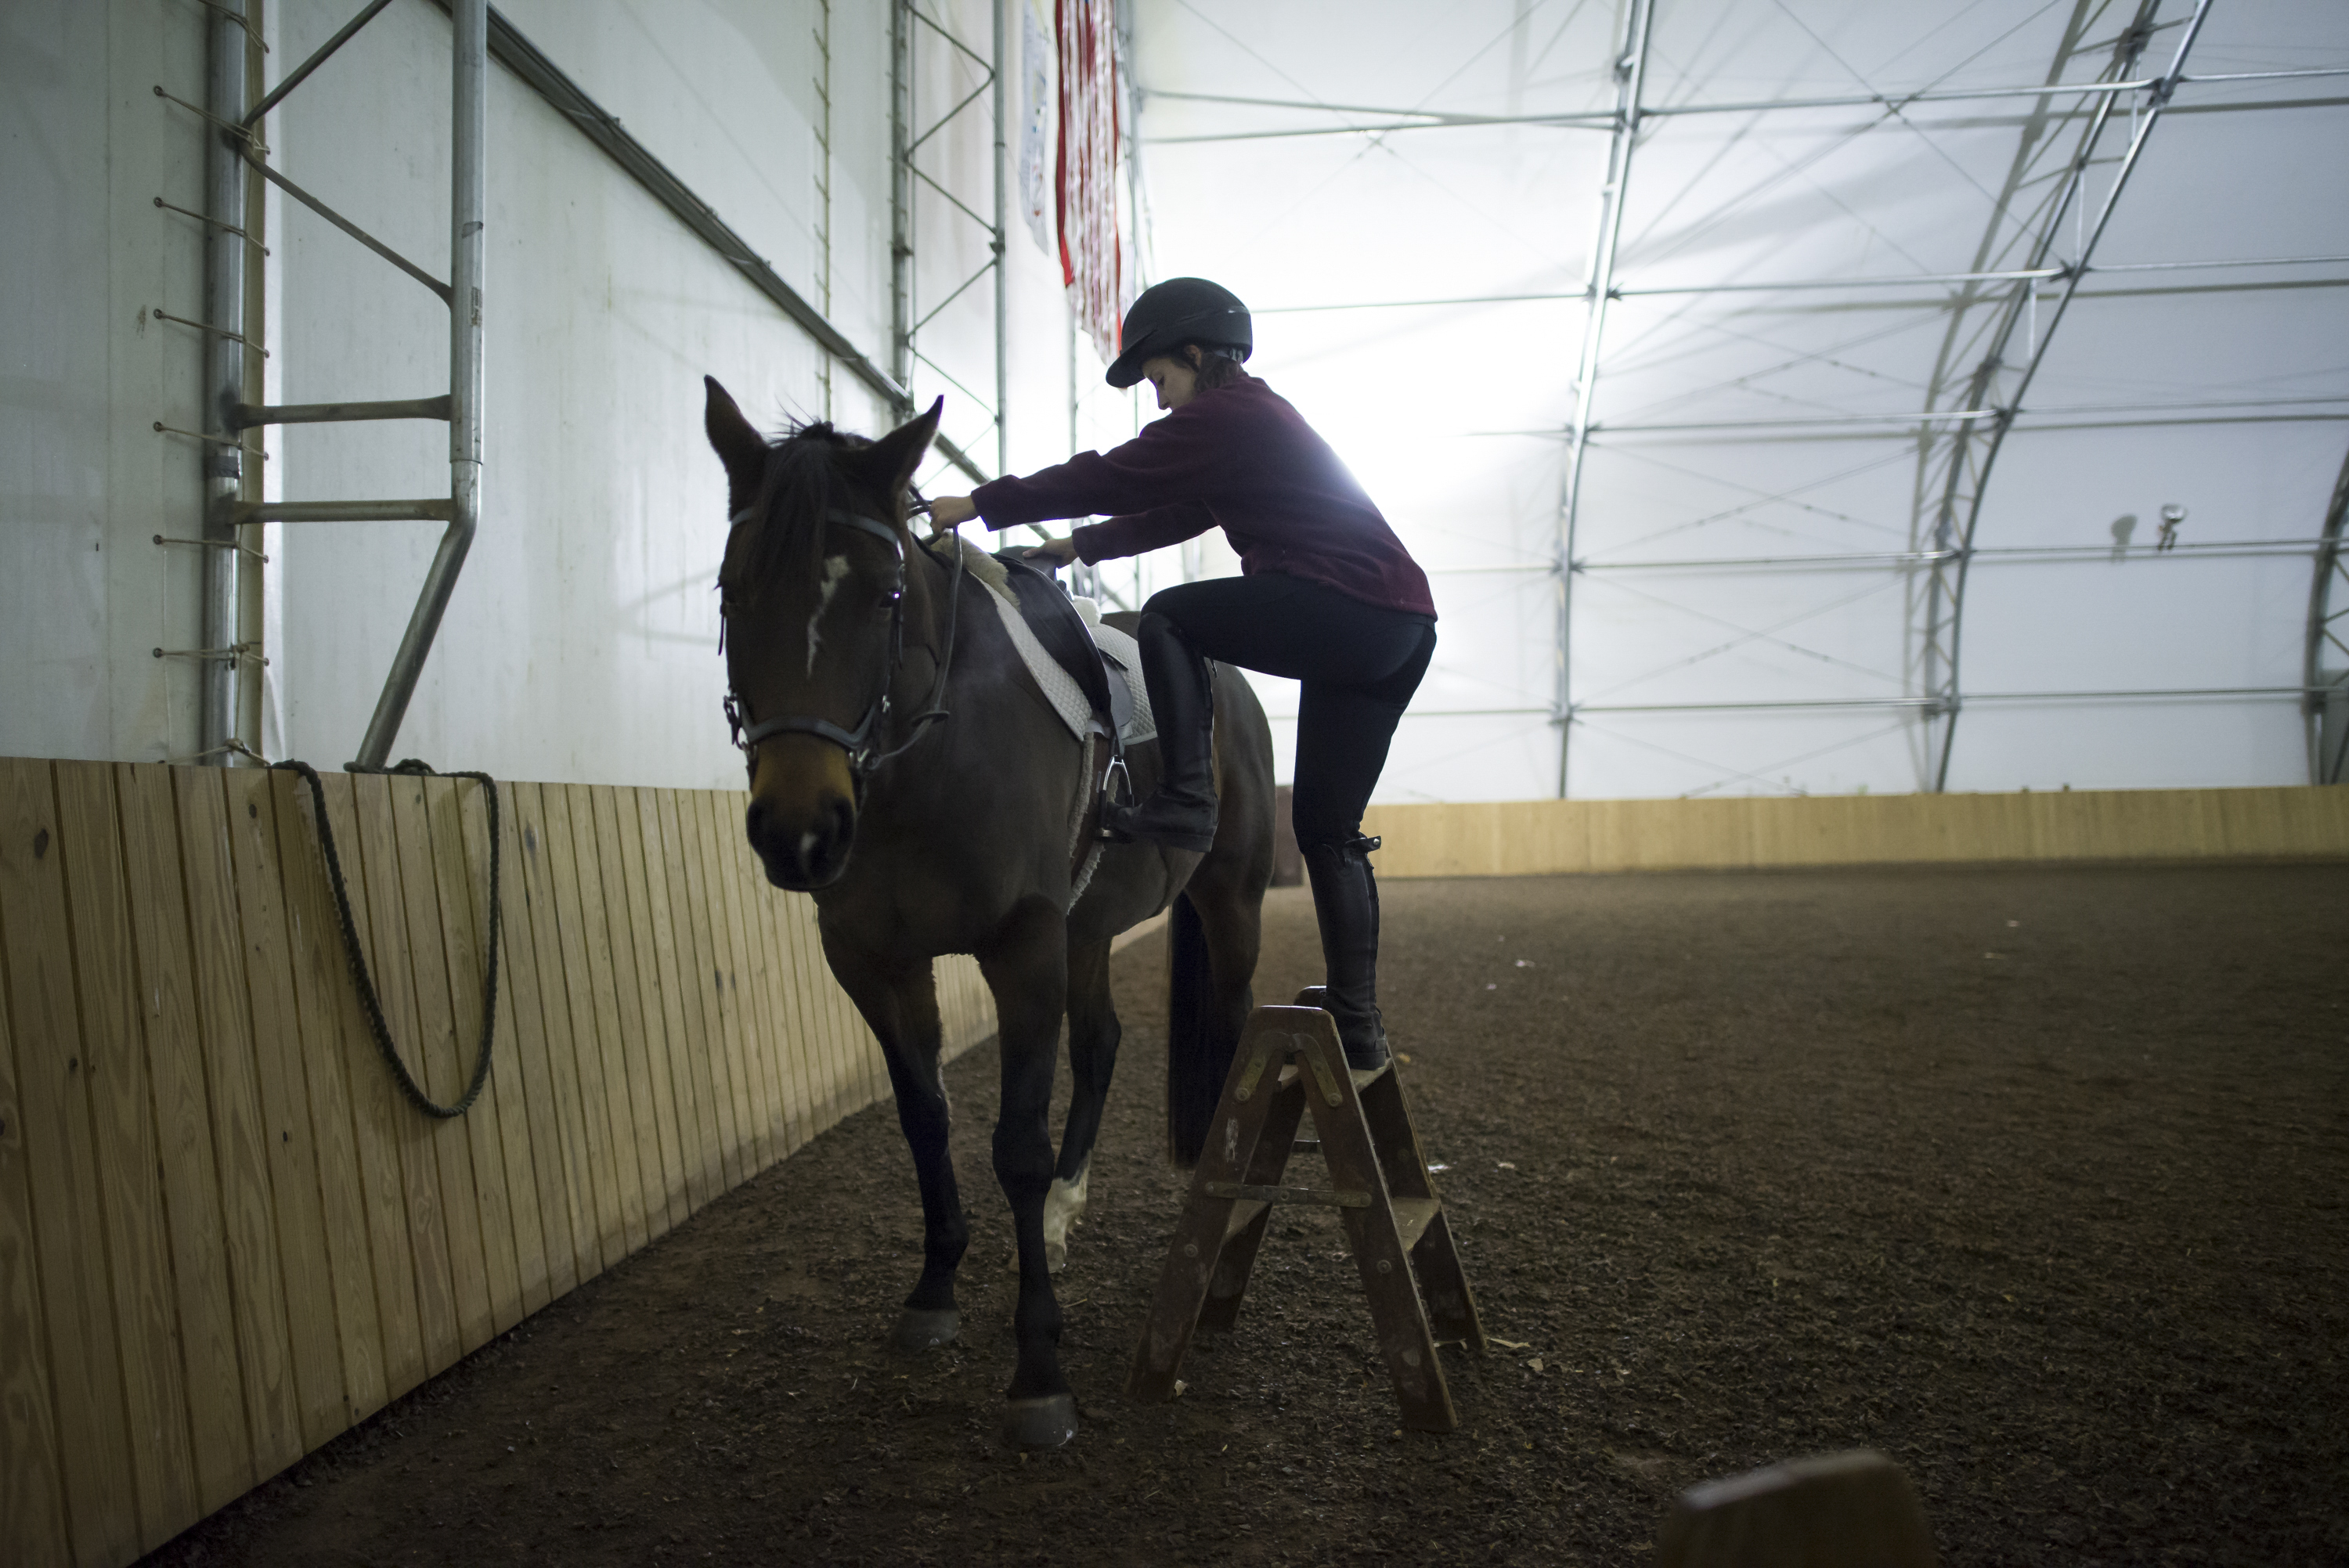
[2324, 708]
[225, 353]
[1947, 702]
[470, 103]
[1002, 288]
[1631, 74]
[900, 203]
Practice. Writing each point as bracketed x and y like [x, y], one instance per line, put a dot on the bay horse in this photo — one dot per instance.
[907, 772]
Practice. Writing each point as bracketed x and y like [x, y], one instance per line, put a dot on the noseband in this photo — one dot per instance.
[859, 743]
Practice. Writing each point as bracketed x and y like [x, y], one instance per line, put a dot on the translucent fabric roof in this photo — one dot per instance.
[1857, 506]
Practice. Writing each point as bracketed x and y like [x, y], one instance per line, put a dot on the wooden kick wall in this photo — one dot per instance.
[1541, 838]
[224, 1236]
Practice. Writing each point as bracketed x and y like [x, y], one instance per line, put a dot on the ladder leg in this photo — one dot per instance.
[1399, 1322]
[1199, 1235]
[1222, 1310]
[1435, 1257]
[1451, 1304]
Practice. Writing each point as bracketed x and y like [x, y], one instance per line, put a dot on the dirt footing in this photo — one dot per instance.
[2032, 1179]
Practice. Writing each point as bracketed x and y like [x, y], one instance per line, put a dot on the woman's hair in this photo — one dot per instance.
[1217, 369]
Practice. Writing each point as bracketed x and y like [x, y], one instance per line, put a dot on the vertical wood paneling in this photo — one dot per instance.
[589, 1023]
[743, 1011]
[389, 960]
[61, 1162]
[709, 909]
[802, 1072]
[256, 1290]
[679, 1020]
[502, 1095]
[539, 866]
[627, 1019]
[220, 1438]
[378, 1120]
[453, 806]
[534, 1032]
[33, 1480]
[306, 1276]
[595, 932]
[627, 853]
[431, 1054]
[790, 1086]
[327, 1004]
[138, 1239]
[697, 966]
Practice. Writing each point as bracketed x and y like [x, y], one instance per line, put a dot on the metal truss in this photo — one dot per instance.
[231, 575]
[1998, 387]
[911, 29]
[1631, 77]
[2324, 674]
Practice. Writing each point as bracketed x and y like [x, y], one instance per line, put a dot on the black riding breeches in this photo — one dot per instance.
[1359, 664]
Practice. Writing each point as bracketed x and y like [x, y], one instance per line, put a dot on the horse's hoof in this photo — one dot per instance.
[920, 1330]
[1045, 1423]
[1056, 1257]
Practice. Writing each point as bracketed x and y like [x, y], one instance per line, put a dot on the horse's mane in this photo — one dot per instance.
[802, 483]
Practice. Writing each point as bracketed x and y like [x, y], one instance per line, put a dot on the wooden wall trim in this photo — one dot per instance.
[224, 1236]
[1548, 838]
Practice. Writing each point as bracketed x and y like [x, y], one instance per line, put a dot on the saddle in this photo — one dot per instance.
[1089, 672]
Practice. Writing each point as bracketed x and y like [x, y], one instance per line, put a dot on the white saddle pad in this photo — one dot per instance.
[1060, 688]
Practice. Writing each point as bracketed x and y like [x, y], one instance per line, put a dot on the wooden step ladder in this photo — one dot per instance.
[1290, 1062]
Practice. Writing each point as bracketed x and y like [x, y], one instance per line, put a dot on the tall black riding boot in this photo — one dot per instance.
[1346, 903]
[1181, 812]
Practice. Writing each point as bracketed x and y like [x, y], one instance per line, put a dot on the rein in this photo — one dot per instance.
[858, 743]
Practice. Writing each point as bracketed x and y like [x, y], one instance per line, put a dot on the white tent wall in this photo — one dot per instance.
[581, 640]
[86, 481]
[2219, 390]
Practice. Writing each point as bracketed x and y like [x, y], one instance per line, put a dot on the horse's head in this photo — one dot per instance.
[814, 593]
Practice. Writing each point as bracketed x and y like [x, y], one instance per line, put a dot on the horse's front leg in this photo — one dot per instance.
[899, 998]
[1026, 965]
[1093, 1056]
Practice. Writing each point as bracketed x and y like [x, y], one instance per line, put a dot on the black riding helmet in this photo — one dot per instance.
[1179, 311]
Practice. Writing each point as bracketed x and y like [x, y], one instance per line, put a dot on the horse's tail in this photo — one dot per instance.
[1198, 1045]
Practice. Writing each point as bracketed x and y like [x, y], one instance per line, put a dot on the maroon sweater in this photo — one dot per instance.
[1238, 457]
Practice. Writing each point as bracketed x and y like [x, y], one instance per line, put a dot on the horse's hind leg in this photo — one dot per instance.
[1093, 1056]
[899, 1000]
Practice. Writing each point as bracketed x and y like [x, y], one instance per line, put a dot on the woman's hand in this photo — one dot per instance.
[1063, 551]
[948, 513]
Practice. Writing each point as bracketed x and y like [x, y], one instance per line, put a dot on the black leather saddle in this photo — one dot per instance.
[1052, 615]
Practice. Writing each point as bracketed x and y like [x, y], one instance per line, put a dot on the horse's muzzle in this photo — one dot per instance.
[801, 822]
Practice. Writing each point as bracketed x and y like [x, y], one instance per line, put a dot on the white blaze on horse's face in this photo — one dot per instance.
[835, 567]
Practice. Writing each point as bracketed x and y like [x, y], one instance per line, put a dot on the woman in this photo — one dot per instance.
[1328, 597]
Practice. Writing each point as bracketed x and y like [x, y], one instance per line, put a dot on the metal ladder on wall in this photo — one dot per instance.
[1288, 1063]
[235, 146]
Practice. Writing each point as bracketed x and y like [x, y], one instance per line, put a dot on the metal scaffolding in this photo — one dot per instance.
[2037, 260]
[913, 32]
[229, 722]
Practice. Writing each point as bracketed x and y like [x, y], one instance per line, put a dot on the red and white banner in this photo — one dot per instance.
[1091, 260]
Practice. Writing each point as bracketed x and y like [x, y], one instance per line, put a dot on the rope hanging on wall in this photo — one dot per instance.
[366, 982]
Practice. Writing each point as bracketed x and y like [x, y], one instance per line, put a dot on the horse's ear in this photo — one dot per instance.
[891, 460]
[740, 448]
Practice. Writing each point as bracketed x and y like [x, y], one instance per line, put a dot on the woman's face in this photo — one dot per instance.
[1175, 381]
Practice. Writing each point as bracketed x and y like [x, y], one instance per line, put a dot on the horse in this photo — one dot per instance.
[907, 773]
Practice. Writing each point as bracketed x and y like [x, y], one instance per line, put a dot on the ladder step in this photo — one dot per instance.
[1325, 1197]
[1413, 1216]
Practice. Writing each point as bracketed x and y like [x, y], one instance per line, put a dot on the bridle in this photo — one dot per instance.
[860, 742]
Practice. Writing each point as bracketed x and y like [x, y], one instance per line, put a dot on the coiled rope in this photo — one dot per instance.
[351, 950]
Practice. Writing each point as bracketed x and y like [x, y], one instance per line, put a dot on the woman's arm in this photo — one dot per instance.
[1142, 531]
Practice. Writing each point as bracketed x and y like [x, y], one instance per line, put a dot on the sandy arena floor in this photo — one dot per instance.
[2032, 1178]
